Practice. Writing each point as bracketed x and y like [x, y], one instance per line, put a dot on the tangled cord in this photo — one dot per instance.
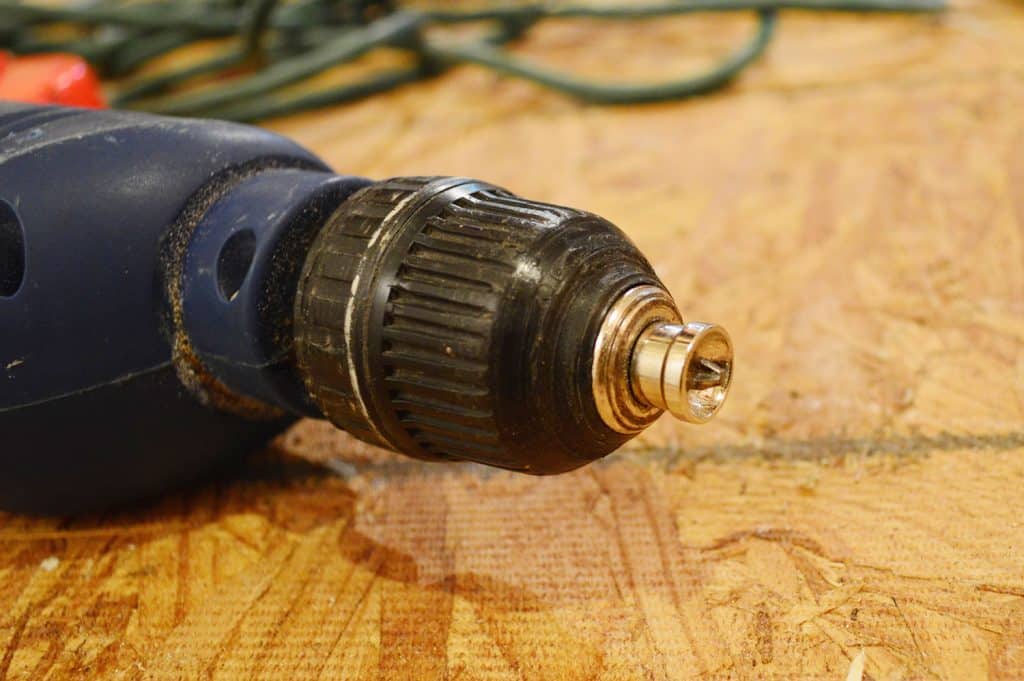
[274, 45]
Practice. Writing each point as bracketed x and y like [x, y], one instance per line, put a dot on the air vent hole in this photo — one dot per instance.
[234, 262]
[12, 251]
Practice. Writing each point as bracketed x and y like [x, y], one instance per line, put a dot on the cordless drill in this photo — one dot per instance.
[174, 293]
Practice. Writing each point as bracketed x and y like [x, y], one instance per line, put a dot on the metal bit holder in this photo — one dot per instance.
[647, 360]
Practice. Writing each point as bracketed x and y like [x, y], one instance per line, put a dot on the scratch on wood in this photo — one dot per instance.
[12, 645]
[763, 636]
[913, 635]
[999, 589]
[181, 596]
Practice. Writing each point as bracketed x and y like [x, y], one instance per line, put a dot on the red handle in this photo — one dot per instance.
[50, 79]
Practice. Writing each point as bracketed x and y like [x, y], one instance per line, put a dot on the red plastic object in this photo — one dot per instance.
[49, 79]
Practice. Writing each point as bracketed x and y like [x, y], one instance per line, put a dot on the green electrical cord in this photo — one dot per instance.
[273, 46]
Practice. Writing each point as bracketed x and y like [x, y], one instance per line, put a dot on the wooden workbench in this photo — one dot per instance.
[852, 210]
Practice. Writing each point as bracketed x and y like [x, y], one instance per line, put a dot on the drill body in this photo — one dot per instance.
[92, 409]
[174, 293]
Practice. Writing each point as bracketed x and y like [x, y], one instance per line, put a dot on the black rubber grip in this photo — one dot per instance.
[448, 319]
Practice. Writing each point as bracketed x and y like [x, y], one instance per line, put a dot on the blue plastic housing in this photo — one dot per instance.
[92, 207]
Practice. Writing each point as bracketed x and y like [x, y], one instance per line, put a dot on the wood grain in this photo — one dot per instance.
[852, 210]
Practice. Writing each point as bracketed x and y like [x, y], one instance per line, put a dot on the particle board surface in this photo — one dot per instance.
[852, 210]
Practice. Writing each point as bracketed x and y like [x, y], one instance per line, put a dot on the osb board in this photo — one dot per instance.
[852, 210]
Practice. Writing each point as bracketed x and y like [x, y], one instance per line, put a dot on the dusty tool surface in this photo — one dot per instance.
[852, 210]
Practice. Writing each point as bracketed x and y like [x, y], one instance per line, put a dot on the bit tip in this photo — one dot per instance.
[685, 369]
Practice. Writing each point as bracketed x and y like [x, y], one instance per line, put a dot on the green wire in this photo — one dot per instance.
[256, 24]
[281, 44]
[155, 85]
[661, 9]
[271, 107]
[612, 93]
[141, 50]
[152, 15]
[344, 48]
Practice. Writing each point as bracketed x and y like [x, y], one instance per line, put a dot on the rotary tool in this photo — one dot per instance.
[174, 293]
